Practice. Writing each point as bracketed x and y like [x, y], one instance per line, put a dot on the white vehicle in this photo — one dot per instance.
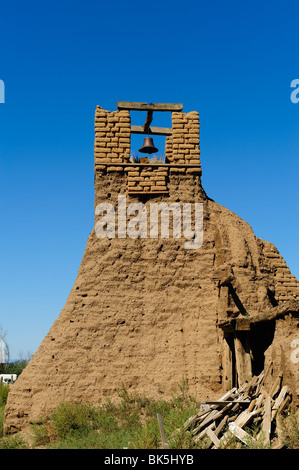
[8, 378]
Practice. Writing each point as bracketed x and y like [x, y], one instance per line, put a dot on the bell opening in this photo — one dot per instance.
[157, 152]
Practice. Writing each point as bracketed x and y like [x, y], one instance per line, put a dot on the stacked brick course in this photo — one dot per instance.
[147, 179]
[112, 136]
[168, 149]
[286, 284]
[183, 146]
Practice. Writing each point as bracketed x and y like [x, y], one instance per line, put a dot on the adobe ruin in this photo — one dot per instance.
[147, 312]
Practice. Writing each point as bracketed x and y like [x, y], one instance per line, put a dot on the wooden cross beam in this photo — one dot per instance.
[151, 130]
[133, 106]
[150, 108]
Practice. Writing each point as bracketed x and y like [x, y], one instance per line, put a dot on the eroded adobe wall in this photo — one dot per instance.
[143, 312]
[282, 355]
[285, 285]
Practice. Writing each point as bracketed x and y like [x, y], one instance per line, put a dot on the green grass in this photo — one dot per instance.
[4, 390]
[1, 419]
[129, 422]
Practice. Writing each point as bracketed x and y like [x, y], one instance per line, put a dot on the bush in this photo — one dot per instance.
[15, 367]
[4, 389]
[1, 420]
[289, 428]
[13, 442]
[71, 417]
[130, 422]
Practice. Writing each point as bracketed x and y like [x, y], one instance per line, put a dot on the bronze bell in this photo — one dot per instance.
[148, 146]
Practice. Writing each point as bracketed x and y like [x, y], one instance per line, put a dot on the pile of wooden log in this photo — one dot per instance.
[252, 403]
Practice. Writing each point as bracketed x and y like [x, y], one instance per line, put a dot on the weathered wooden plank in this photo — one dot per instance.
[151, 130]
[246, 416]
[265, 393]
[193, 419]
[288, 307]
[243, 359]
[203, 432]
[227, 362]
[279, 400]
[233, 402]
[251, 406]
[268, 372]
[276, 385]
[232, 393]
[251, 388]
[248, 387]
[215, 414]
[276, 312]
[221, 425]
[137, 106]
[284, 404]
[242, 419]
[213, 437]
[266, 426]
[259, 401]
[212, 426]
[214, 411]
[131, 105]
[239, 433]
[260, 382]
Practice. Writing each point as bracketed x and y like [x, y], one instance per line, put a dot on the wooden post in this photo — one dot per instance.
[243, 358]
[162, 432]
[266, 426]
[227, 362]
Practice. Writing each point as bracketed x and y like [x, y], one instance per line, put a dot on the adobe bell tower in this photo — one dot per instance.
[145, 312]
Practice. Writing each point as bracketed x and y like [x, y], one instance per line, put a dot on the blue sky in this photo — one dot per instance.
[231, 61]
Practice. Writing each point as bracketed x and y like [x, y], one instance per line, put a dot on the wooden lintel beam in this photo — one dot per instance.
[291, 307]
[242, 324]
[152, 130]
[132, 106]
